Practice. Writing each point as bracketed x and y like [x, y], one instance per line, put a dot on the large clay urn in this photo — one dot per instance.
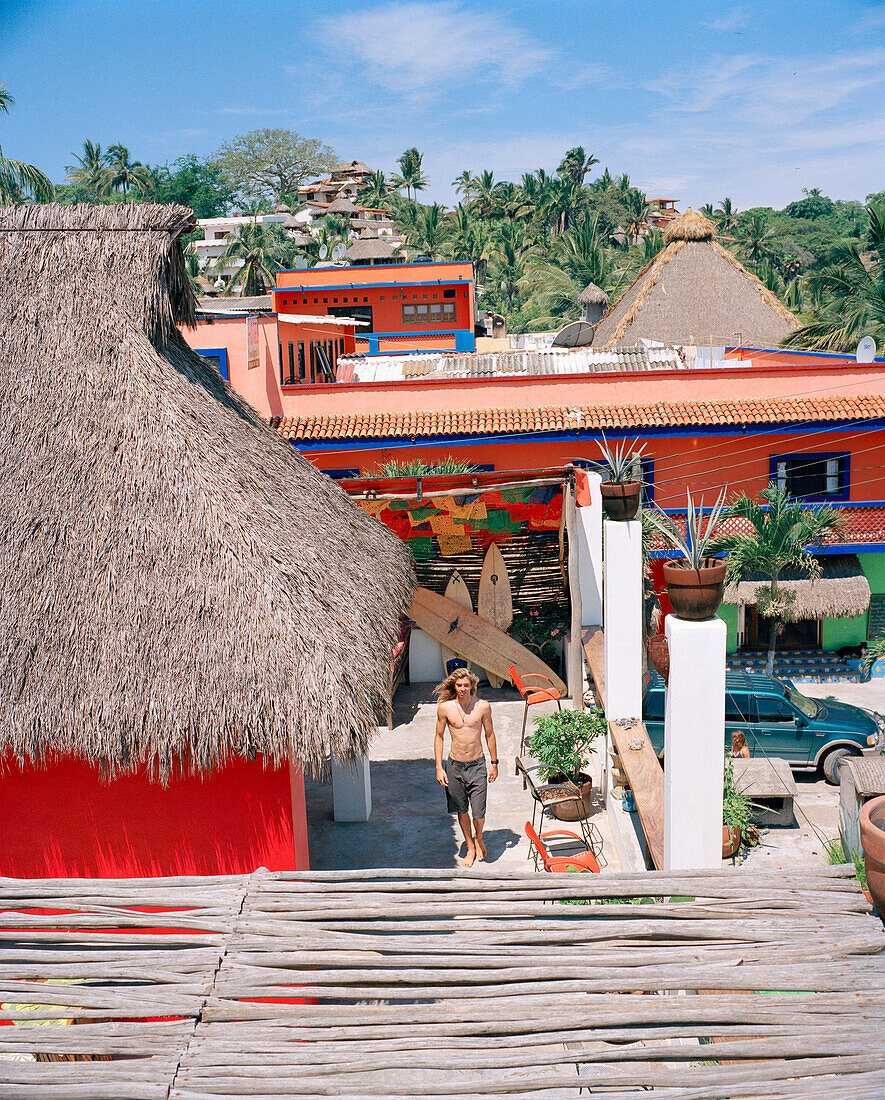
[695, 594]
[872, 840]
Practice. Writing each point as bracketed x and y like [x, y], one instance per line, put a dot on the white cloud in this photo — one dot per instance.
[415, 47]
[734, 20]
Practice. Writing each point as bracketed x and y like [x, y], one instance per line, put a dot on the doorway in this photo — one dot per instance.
[802, 634]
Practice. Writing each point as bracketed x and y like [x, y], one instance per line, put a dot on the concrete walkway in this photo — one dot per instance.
[409, 826]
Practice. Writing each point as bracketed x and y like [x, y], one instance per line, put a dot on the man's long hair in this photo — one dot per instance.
[445, 691]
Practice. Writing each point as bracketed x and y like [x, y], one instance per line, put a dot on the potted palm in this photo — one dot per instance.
[696, 583]
[622, 487]
[561, 744]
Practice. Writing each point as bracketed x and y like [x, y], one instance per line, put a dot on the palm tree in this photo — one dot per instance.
[726, 217]
[484, 187]
[638, 210]
[90, 173]
[708, 211]
[784, 535]
[411, 177]
[260, 248]
[470, 238]
[577, 257]
[565, 200]
[123, 174]
[508, 267]
[604, 183]
[17, 179]
[576, 164]
[375, 192]
[463, 184]
[757, 242]
[429, 233]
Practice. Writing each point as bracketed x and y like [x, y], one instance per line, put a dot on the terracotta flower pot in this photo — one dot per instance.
[659, 655]
[620, 499]
[695, 594]
[731, 840]
[872, 840]
[571, 811]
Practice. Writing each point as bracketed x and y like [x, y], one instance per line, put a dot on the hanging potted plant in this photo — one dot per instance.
[696, 583]
[621, 486]
[561, 744]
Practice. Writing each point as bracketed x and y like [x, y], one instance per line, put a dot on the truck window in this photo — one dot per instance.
[738, 707]
[772, 709]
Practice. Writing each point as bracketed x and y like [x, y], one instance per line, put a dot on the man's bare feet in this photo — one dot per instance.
[480, 849]
[470, 857]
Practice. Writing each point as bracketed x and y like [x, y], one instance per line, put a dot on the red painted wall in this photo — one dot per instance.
[700, 463]
[62, 819]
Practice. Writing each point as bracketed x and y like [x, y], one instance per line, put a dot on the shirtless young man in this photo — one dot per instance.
[464, 773]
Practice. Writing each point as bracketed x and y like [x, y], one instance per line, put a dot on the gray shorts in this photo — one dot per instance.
[468, 783]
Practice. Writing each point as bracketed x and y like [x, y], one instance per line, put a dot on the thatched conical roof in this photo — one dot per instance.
[841, 591]
[341, 205]
[175, 580]
[371, 248]
[592, 295]
[695, 292]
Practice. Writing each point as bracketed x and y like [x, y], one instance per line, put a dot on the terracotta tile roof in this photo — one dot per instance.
[563, 418]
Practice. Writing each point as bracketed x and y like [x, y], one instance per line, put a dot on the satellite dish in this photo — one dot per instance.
[300, 263]
[324, 251]
[866, 350]
[219, 283]
[576, 334]
[338, 252]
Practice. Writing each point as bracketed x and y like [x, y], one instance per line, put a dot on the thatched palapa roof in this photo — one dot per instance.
[842, 589]
[175, 580]
[695, 292]
[592, 295]
[371, 248]
[342, 205]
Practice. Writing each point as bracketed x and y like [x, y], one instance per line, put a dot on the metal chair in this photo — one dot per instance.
[579, 861]
[547, 795]
[531, 696]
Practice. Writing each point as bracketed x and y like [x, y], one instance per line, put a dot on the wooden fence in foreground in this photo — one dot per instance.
[443, 983]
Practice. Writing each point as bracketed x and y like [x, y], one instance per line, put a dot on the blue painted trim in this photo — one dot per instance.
[797, 351]
[837, 548]
[222, 359]
[558, 437]
[322, 288]
[414, 332]
[357, 267]
[844, 472]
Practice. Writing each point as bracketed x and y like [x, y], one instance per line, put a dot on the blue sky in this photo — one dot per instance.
[696, 101]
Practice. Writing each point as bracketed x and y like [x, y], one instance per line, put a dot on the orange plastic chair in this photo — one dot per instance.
[532, 695]
[581, 861]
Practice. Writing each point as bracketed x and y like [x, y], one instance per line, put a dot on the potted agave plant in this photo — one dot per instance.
[696, 583]
[622, 488]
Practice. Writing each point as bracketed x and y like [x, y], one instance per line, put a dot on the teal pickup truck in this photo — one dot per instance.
[778, 721]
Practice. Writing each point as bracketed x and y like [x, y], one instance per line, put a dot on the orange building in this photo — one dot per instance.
[401, 307]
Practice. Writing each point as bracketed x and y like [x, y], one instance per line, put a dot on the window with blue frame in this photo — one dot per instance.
[812, 477]
[217, 357]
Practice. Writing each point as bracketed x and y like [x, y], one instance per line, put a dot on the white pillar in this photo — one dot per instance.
[623, 619]
[694, 743]
[590, 554]
[352, 790]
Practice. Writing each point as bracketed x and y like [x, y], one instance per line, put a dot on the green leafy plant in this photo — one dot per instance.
[561, 742]
[836, 855]
[875, 652]
[736, 807]
[540, 628]
[622, 464]
[696, 545]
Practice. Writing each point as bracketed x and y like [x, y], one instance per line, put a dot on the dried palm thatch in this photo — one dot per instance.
[842, 589]
[592, 295]
[175, 581]
[371, 248]
[341, 204]
[695, 292]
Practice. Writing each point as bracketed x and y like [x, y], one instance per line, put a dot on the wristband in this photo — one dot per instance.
[495, 762]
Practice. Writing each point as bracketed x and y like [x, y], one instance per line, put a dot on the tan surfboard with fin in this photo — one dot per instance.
[457, 592]
[495, 601]
[472, 638]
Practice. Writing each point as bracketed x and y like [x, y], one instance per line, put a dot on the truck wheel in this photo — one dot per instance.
[832, 764]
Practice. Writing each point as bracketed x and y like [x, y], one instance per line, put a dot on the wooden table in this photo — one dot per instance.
[646, 778]
[769, 785]
[594, 650]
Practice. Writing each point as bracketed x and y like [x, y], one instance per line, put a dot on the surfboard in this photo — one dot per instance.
[495, 601]
[457, 592]
[472, 638]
